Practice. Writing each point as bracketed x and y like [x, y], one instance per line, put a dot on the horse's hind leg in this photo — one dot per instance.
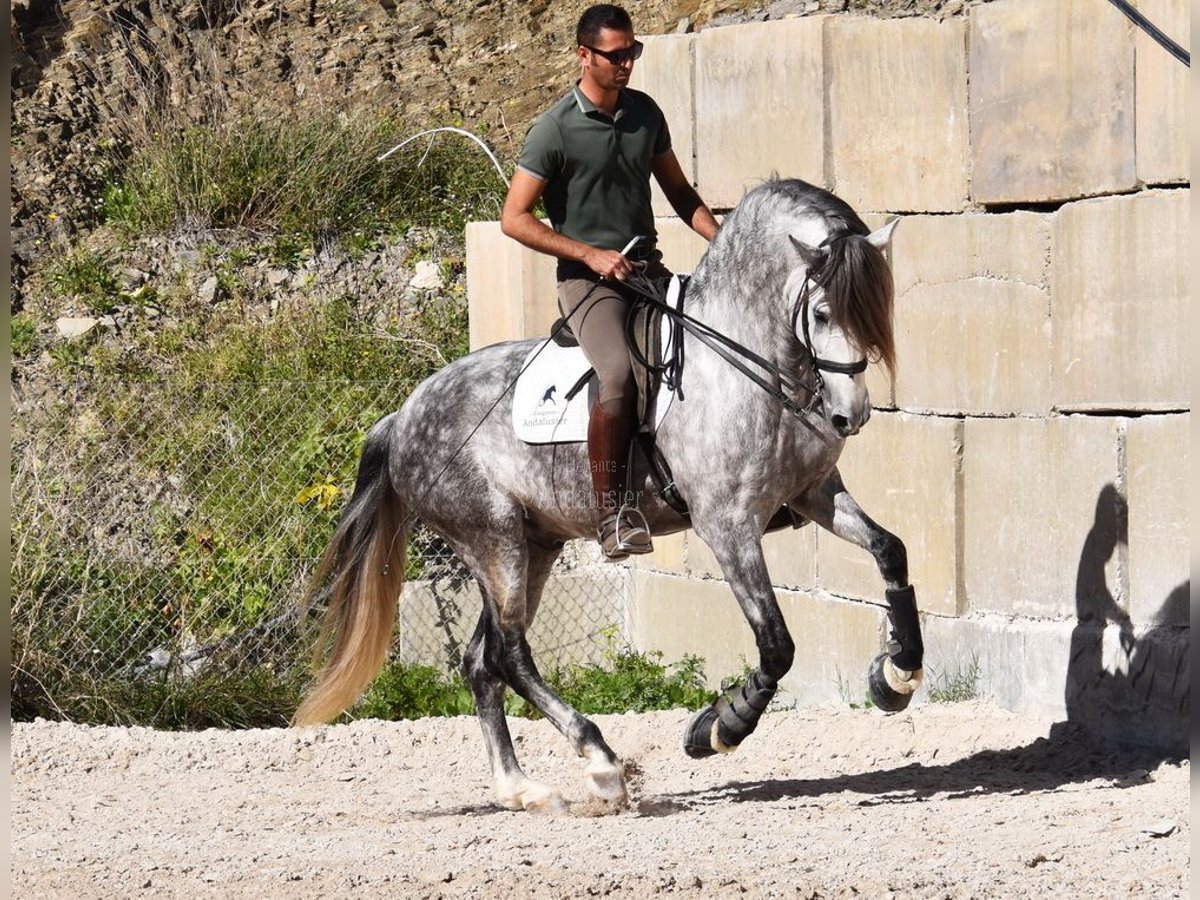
[499, 653]
[482, 666]
[895, 675]
[604, 772]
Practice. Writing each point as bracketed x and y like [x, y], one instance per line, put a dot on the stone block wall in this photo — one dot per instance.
[1033, 450]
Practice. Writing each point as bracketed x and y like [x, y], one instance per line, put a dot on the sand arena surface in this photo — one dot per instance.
[961, 800]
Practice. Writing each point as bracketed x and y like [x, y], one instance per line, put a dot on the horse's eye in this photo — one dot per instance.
[821, 316]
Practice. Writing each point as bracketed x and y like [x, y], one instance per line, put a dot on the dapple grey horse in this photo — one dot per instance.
[793, 276]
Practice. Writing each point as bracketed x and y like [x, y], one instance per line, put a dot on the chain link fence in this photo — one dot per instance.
[164, 534]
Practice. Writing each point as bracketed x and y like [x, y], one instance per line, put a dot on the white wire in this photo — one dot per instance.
[461, 131]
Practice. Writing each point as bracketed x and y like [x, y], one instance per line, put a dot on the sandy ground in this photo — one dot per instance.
[942, 801]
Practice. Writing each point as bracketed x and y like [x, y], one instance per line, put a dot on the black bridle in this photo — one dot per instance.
[776, 382]
[819, 364]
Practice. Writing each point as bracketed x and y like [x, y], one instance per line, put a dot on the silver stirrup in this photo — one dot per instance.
[632, 510]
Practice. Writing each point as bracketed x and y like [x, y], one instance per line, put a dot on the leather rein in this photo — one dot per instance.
[776, 382]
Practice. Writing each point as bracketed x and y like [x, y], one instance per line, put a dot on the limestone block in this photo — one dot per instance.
[665, 73]
[668, 555]
[680, 616]
[791, 556]
[700, 560]
[681, 247]
[419, 639]
[1021, 665]
[904, 472]
[898, 124]
[511, 291]
[972, 314]
[1128, 686]
[1051, 101]
[1037, 507]
[979, 347]
[936, 250]
[840, 639]
[1157, 483]
[881, 387]
[1137, 693]
[1120, 300]
[1163, 120]
[759, 106]
[494, 286]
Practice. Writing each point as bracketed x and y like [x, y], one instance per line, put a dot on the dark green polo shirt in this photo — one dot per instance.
[596, 168]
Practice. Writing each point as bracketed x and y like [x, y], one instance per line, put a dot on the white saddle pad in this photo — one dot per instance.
[541, 412]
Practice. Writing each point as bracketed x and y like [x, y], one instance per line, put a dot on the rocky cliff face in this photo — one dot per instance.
[85, 73]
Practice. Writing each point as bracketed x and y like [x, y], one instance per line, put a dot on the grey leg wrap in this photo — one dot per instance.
[739, 709]
[905, 646]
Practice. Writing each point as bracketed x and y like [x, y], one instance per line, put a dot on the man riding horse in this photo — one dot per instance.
[590, 157]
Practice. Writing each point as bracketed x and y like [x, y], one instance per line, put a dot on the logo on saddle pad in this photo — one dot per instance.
[542, 413]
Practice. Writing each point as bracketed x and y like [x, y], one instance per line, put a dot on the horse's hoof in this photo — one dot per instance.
[697, 737]
[534, 797]
[606, 781]
[890, 689]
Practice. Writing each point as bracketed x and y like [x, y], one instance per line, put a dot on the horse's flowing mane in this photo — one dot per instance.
[855, 276]
[858, 287]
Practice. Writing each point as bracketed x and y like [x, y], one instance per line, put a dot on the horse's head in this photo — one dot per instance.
[840, 294]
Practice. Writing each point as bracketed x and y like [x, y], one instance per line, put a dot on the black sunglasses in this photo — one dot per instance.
[619, 57]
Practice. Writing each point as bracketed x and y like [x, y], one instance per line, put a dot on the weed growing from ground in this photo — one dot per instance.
[86, 277]
[957, 687]
[848, 693]
[23, 335]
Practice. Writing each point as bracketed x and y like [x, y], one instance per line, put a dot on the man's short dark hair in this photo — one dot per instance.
[596, 18]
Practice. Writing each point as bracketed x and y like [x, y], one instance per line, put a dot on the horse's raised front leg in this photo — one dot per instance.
[896, 674]
[720, 728]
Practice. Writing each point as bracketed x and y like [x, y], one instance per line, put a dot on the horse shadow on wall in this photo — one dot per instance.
[1127, 699]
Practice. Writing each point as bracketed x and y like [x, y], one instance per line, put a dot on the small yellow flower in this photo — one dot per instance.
[53, 216]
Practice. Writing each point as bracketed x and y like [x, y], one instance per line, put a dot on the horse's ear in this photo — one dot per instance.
[812, 256]
[881, 237]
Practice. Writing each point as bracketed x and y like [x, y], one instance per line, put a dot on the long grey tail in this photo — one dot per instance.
[365, 564]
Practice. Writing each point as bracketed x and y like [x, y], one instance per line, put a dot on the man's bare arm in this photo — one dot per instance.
[519, 223]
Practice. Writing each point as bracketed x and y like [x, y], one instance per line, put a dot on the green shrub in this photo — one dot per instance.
[634, 682]
[628, 681]
[23, 330]
[314, 177]
[260, 697]
[237, 468]
[413, 691]
[87, 277]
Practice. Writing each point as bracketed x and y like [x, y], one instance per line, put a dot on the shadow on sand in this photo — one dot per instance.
[1127, 699]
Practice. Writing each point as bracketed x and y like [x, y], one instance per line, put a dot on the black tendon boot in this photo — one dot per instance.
[621, 531]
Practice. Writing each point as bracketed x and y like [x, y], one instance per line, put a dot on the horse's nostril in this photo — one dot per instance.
[841, 425]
